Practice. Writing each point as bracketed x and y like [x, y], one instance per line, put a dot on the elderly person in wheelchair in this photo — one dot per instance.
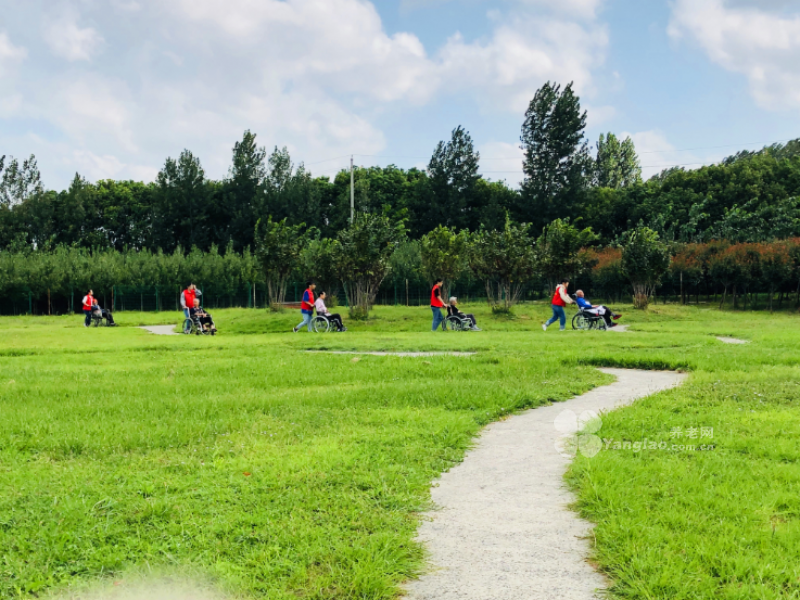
[457, 320]
[325, 321]
[596, 310]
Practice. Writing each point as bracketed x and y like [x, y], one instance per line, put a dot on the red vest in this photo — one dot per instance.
[89, 302]
[310, 304]
[557, 300]
[435, 301]
[189, 296]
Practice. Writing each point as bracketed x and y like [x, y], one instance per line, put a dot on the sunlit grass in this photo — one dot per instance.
[280, 473]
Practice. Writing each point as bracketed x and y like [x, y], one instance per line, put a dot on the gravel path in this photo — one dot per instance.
[730, 340]
[503, 530]
[161, 329]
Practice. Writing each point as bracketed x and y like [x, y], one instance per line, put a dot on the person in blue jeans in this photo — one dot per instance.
[560, 300]
[307, 307]
[437, 304]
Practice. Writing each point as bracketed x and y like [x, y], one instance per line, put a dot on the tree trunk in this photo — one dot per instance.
[48, 301]
[724, 293]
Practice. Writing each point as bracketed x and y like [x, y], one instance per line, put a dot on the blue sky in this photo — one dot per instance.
[110, 88]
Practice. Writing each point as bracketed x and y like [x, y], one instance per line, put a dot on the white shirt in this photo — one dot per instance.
[320, 306]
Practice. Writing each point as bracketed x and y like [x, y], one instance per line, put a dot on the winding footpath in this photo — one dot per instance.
[503, 529]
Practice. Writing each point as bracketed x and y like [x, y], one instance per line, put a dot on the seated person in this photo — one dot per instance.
[202, 316]
[599, 310]
[452, 311]
[322, 311]
[103, 314]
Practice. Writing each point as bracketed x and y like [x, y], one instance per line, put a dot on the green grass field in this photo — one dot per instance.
[273, 472]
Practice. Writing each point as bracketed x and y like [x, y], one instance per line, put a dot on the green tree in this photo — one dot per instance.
[362, 258]
[182, 203]
[245, 191]
[453, 172]
[561, 251]
[278, 249]
[19, 182]
[616, 165]
[444, 255]
[556, 155]
[504, 260]
[645, 260]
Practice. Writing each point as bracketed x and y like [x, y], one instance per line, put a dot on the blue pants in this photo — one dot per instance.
[186, 315]
[438, 319]
[306, 321]
[558, 315]
[88, 320]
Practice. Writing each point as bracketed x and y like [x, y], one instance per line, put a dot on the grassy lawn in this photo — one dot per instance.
[277, 473]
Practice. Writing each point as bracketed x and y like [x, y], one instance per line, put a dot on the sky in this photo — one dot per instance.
[111, 88]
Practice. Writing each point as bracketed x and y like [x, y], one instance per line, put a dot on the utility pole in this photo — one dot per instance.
[352, 193]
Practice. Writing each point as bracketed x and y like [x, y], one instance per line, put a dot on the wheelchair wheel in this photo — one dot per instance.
[321, 325]
[581, 322]
[187, 326]
[600, 324]
[456, 324]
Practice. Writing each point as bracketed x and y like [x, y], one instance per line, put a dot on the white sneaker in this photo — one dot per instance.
[544, 327]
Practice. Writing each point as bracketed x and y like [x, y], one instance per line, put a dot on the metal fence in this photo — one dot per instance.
[167, 298]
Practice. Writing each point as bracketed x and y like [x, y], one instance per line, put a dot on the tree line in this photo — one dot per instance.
[749, 197]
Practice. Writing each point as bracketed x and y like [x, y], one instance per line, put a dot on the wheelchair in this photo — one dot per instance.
[192, 325]
[584, 321]
[98, 320]
[456, 323]
[322, 324]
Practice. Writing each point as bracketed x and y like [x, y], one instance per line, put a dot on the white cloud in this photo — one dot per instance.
[71, 42]
[761, 44]
[524, 52]
[341, 44]
[315, 75]
[9, 53]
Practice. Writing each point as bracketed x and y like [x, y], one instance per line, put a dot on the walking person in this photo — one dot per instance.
[437, 304]
[188, 297]
[307, 307]
[560, 300]
[88, 306]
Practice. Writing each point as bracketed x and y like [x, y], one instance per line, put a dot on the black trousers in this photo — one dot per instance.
[205, 321]
[336, 319]
[471, 317]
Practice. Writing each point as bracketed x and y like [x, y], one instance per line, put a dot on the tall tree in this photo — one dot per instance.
[617, 164]
[556, 155]
[182, 204]
[19, 182]
[244, 197]
[453, 171]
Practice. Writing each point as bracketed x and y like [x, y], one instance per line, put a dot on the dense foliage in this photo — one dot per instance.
[569, 202]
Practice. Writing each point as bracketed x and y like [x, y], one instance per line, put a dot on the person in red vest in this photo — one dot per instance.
[188, 297]
[88, 306]
[560, 300]
[437, 304]
[307, 307]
